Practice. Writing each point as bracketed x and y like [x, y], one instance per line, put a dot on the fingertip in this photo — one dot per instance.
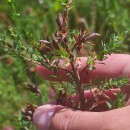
[43, 72]
[40, 70]
[42, 116]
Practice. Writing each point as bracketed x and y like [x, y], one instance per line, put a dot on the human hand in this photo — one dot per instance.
[56, 117]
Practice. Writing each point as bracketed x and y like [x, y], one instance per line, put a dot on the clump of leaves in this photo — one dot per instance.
[65, 46]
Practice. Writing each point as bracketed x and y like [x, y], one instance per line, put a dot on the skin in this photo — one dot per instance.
[64, 118]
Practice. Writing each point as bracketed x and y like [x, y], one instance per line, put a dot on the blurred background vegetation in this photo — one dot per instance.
[102, 16]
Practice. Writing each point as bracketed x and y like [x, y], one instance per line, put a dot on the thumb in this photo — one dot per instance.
[56, 117]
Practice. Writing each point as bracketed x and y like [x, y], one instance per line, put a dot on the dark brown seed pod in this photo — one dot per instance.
[47, 49]
[27, 113]
[93, 36]
[33, 89]
[31, 107]
[44, 41]
[44, 49]
[59, 20]
[23, 111]
[27, 118]
[30, 112]
[45, 46]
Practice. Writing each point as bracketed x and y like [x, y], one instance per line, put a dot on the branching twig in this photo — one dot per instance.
[23, 57]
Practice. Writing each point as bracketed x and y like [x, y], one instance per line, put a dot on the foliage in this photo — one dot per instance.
[35, 21]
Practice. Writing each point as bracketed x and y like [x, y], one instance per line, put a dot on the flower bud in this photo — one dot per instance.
[59, 20]
[93, 36]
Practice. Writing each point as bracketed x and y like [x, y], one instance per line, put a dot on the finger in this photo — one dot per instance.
[51, 117]
[64, 118]
[8, 128]
[109, 95]
[114, 65]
